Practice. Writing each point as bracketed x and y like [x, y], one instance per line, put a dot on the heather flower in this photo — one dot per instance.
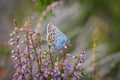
[68, 66]
[64, 77]
[15, 66]
[48, 9]
[27, 76]
[37, 63]
[44, 66]
[20, 78]
[77, 75]
[15, 75]
[24, 70]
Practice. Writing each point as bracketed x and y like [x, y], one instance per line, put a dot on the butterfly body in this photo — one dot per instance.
[55, 37]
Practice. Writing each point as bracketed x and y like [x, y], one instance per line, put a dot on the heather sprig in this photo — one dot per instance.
[33, 62]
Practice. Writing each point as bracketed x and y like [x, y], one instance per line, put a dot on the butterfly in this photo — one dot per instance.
[55, 37]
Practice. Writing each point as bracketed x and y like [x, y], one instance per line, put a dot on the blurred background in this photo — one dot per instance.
[93, 25]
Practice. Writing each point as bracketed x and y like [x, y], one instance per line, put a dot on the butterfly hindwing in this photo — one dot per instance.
[55, 36]
[60, 40]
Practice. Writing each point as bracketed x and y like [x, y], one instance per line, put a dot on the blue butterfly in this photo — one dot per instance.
[55, 37]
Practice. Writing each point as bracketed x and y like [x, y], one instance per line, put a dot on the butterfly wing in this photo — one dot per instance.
[59, 39]
[55, 37]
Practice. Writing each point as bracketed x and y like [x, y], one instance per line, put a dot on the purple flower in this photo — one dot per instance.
[16, 74]
[36, 67]
[15, 66]
[64, 76]
[18, 36]
[11, 40]
[18, 46]
[27, 76]
[77, 75]
[67, 66]
[24, 70]
[34, 73]
[45, 75]
[48, 9]
[35, 78]
[20, 78]
[41, 77]
[79, 65]
[15, 58]
[58, 78]
[47, 71]
[83, 59]
[12, 43]
[42, 65]
[22, 42]
[28, 62]
[31, 46]
[71, 56]
[32, 57]
[21, 55]
[56, 63]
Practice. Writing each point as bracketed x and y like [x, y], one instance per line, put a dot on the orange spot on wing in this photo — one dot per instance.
[50, 37]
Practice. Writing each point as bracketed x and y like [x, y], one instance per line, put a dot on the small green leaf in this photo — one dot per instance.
[58, 59]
